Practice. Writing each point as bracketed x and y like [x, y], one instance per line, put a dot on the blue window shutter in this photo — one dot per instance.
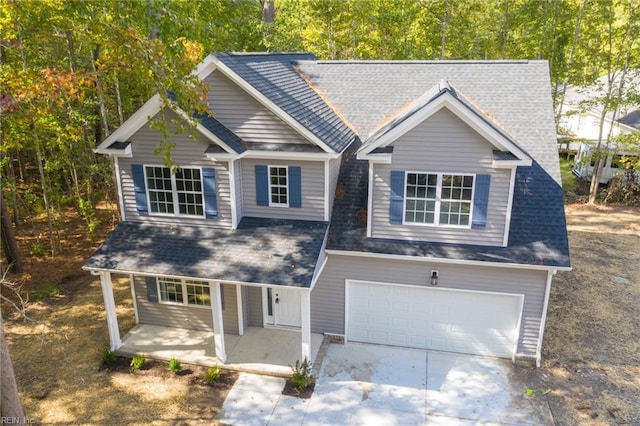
[295, 187]
[396, 206]
[209, 187]
[152, 289]
[262, 185]
[481, 201]
[137, 171]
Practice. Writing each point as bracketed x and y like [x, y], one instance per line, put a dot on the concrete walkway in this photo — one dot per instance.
[379, 385]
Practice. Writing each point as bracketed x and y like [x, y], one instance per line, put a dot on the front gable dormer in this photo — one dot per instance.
[441, 171]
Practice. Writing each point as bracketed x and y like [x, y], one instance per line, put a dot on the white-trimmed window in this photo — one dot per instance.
[185, 292]
[278, 186]
[177, 193]
[438, 199]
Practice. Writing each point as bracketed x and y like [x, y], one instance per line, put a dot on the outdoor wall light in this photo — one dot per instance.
[434, 277]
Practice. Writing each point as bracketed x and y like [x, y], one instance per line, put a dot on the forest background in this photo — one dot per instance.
[73, 71]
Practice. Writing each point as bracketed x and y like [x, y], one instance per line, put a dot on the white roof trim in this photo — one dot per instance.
[132, 125]
[447, 100]
[284, 155]
[444, 260]
[207, 68]
[375, 158]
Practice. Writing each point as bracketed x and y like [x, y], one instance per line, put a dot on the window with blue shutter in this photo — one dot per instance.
[396, 205]
[262, 185]
[139, 187]
[152, 289]
[209, 191]
[481, 201]
[295, 187]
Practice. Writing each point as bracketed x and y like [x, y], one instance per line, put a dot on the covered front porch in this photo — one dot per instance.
[259, 350]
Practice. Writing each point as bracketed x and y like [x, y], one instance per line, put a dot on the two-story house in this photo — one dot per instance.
[410, 203]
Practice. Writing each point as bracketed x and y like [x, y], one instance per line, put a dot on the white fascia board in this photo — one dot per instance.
[133, 124]
[448, 101]
[222, 157]
[97, 271]
[375, 158]
[280, 155]
[509, 164]
[443, 260]
[206, 67]
[126, 153]
[270, 105]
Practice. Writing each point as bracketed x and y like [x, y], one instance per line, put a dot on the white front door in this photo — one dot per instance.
[282, 306]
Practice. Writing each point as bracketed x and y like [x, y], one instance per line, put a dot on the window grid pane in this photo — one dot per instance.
[278, 185]
[198, 293]
[170, 290]
[189, 189]
[420, 202]
[455, 208]
[159, 185]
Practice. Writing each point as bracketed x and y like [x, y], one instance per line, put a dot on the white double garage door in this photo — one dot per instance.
[473, 322]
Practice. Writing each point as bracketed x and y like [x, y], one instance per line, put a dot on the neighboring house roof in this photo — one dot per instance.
[274, 76]
[538, 233]
[589, 98]
[516, 94]
[268, 251]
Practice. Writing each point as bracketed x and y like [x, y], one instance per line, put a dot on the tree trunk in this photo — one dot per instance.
[95, 54]
[45, 197]
[9, 245]
[10, 405]
[118, 98]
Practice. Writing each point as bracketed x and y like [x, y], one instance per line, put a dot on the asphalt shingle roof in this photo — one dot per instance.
[516, 94]
[232, 140]
[270, 251]
[275, 77]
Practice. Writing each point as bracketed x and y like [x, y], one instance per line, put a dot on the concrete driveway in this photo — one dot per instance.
[364, 384]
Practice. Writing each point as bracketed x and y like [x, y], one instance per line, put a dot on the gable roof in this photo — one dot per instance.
[443, 95]
[273, 76]
[516, 94]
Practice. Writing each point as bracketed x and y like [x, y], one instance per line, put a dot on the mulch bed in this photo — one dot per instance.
[291, 390]
[192, 374]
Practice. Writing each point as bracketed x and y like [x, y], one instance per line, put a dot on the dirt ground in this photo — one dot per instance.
[591, 352]
[57, 359]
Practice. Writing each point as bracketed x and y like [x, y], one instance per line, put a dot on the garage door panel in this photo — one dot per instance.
[440, 319]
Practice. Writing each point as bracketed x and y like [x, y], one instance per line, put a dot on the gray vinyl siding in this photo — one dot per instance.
[442, 144]
[254, 306]
[195, 318]
[312, 191]
[187, 153]
[334, 172]
[244, 115]
[328, 295]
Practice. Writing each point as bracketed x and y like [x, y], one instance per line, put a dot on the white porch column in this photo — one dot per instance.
[110, 307]
[218, 326]
[240, 310]
[305, 323]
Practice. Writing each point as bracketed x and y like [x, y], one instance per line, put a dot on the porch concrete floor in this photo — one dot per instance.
[259, 350]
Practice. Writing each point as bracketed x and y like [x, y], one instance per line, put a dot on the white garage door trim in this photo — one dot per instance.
[518, 298]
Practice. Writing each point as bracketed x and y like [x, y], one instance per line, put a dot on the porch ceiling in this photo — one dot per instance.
[270, 251]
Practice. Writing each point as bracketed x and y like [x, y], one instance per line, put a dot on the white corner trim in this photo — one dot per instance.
[232, 194]
[507, 222]
[543, 319]
[116, 166]
[444, 260]
[370, 201]
[327, 191]
[270, 105]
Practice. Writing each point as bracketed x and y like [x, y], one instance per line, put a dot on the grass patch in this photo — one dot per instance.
[43, 292]
[570, 182]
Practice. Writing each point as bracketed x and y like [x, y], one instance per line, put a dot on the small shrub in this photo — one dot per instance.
[301, 377]
[38, 249]
[212, 374]
[175, 366]
[137, 362]
[108, 356]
